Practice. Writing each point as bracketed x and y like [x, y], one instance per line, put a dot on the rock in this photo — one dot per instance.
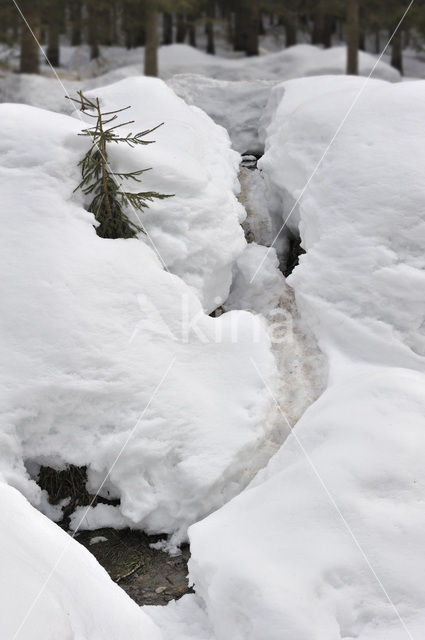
[160, 589]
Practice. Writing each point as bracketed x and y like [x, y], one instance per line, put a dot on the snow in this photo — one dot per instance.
[232, 90]
[105, 353]
[101, 347]
[285, 63]
[197, 232]
[264, 293]
[51, 587]
[183, 619]
[235, 105]
[97, 539]
[326, 542]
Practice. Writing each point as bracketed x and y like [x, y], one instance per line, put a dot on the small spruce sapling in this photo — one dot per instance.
[99, 180]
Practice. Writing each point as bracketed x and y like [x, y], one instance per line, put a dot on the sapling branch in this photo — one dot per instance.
[99, 180]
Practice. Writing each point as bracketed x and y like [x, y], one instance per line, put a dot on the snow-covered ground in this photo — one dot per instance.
[327, 541]
[51, 587]
[104, 347]
[92, 326]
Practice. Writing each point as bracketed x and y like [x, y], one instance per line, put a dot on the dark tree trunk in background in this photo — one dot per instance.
[352, 37]
[105, 30]
[192, 30]
[181, 28]
[377, 40]
[290, 24]
[362, 41]
[139, 20]
[397, 50]
[318, 25]
[127, 18]
[53, 27]
[76, 22]
[240, 27]
[328, 29]
[246, 27]
[209, 26]
[139, 39]
[261, 27]
[253, 14]
[167, 28]
[29, 48]
[151, 48]
[93, 29]
[114, 13]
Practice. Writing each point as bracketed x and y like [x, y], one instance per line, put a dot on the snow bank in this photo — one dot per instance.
[293, 62]
[264, 293]
[196, 233]
[327, 542]
[183, 619]
[100, 345]
[51, 587]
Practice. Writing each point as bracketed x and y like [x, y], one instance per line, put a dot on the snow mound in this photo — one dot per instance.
[51, 587]
[183, 619]
[326, 543]
[102, 349]
[196, 233]
[263, 295]
[293, 62]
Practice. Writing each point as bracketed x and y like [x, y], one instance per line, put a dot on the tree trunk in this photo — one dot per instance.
[352, 37]
[290, 24]
[93, 30]
[29, 47]
[377, 40]
[240, 27]
[209, 27]
[328, 29]
[76, 22]
[318, 26]
[127, 23]
[53, 18]
[397, 50]
[261, 27]
[167, 28]
[253, 14]
[181, 28]
[192, 30]
[151, 48]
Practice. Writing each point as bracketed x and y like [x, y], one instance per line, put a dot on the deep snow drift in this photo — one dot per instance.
[100, 344]
[327, 542]
[51, 587]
